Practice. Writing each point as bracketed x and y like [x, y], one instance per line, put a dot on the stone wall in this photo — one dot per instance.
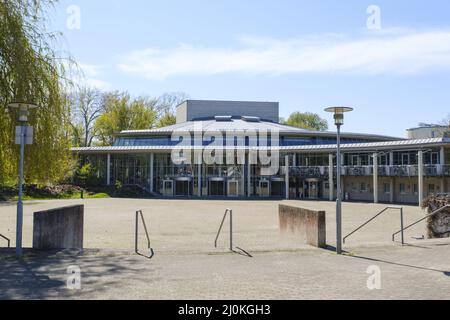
[60, 228]
[438, 226]
[310, 225]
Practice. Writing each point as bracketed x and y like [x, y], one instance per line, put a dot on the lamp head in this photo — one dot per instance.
[339, 113]
[24, 109]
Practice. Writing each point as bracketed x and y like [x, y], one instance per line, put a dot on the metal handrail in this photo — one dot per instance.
[136, 235]
[426, 217]
[231, 228]
[7, 239]
[376, 216]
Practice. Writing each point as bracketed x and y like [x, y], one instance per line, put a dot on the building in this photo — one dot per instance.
[238, 149]
[428, 131]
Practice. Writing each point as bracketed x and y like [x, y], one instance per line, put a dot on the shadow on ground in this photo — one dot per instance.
[43, 275]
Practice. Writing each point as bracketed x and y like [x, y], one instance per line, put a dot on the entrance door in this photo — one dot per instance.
[167, 188]
[216, 187]
[264, 188]
[182, 188]
[233, 188]
[277, 188]
[312, 189]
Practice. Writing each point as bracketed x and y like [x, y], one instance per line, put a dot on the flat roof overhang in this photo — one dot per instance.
[353, 147]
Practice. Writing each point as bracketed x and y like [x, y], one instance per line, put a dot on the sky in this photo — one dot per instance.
[390, 60]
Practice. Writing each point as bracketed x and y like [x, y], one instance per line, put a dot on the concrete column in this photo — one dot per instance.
[286, 178]
[421, 177]
[108, 169]
[391, 158]
[375, 177]
[249, 169]
[294, 159]
[152, 165]
[242, 180]
[199, 176]
[441, 162]
[391, 195]
[331, 176]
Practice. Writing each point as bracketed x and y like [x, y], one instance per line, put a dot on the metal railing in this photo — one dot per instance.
[229, 211]
[136, 234]
[308, 171]
[402, 230]
[7, 239]
[231, 228]
[359, 170]
[376, 216]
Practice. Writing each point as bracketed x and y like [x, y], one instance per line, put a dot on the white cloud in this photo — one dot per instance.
[98, 84]
[90, 70]
[399, 53]
[90, 76]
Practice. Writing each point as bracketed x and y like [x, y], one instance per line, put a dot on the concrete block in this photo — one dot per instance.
[310, 225]
[60, 228]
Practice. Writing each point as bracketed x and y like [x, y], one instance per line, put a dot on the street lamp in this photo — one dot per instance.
[24, 135]
[339, 121]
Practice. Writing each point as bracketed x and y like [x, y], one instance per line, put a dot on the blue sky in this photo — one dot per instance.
[304, 54]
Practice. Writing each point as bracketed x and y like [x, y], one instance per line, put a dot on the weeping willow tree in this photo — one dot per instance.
[31, 71]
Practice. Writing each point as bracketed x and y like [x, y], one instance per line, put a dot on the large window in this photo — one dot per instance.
[130, 169]
[358, 159]
[405, 158]
[145, 141]
[98, 168]
[311, 140]
[312, 159]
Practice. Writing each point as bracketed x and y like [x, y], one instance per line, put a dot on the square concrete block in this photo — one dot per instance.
[60, 228]
[309, 224]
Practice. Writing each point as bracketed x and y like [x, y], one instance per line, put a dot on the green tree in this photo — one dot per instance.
[167, 119]
[121, 112]
[307, 120]
[31, 71]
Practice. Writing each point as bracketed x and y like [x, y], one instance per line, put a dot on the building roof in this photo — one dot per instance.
[353, 147]
[430, 126]
[240, 125]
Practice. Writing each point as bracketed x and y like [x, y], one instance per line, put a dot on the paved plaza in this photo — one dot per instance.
[187, 266]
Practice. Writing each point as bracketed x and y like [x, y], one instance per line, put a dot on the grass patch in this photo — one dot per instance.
[65, 192]
[66, 196]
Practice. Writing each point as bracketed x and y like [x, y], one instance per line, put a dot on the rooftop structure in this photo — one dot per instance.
[427, 131]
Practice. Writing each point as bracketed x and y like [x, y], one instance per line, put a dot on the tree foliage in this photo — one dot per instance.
[307, 120]
[121, 112]
[30, 71]
[167, 119]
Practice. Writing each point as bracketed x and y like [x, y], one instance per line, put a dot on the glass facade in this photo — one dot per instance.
[98, 167]
[144, 141]
[283, 141]
[130, 169]
[308, 140]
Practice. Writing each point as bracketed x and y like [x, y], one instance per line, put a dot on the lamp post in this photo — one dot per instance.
[24, 135]
[339, 121]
